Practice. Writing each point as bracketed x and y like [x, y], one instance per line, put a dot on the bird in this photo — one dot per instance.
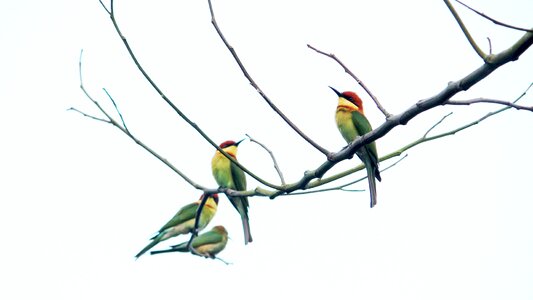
[207, 244]
[229, 175]
[183, 221]
[352, 123]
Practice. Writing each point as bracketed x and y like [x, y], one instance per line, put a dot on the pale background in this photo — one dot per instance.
[79, 199]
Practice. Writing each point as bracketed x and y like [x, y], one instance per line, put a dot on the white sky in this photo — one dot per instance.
[79, 199]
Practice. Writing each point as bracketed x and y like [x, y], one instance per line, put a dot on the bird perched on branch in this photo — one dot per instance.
[229, 175]
[352, 123]
[207, 244]
[183, 221]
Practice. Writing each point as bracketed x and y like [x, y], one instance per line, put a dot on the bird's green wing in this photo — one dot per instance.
[363, 127]
[210, 237]
[186, 213]
[238, 177]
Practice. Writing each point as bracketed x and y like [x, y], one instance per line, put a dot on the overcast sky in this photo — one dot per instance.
[79, 199]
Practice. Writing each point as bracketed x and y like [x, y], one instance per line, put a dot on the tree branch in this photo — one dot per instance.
[116, 108]
[113, 122]
[494, 20]
[111, 13]
[276, 166]
[465, 31]
[256, 87]
[484, 100]
[331, 55]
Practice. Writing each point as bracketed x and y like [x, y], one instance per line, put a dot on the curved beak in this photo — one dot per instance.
[336, 92]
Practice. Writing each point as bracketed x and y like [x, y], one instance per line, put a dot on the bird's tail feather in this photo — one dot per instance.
[176, 248]
[148, 247]
[372, 184]
[246, 228]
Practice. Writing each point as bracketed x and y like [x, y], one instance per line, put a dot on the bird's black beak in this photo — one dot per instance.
[336, 92]
[237, 143]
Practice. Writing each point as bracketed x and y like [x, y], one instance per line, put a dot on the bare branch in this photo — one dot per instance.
[129, 134]
[331, 55]
[89, 116]
[436, 124]
[175, 108]
[465, 31]
[493, 20]
[104, 6]
[256, 87]
[116, 108]
[276, 166]
[343, 186]
[484, 100]
[490, 46]
[194, 232]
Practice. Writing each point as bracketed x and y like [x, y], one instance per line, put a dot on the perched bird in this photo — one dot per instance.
[207, 244]
[229, 175]
[183, 221]
[352, 123]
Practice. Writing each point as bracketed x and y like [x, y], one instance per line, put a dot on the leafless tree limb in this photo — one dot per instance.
[313, 178]
[360, 82]
[258, 89]
[113, 122]
[276, 166]
[484, 100]
[494, 20]
[111, 13]
[343, 186]
[465, 31]
[116, 108]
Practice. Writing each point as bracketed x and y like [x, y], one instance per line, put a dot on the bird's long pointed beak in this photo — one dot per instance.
[237, 143]
[336, 92]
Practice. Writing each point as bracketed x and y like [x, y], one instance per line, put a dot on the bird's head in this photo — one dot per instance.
[230, 147]
[350, 97]
[230, 143]
[220, 229]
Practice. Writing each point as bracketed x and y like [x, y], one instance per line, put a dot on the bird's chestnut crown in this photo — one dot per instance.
[352, 97]
[230, 143]
[227, 144]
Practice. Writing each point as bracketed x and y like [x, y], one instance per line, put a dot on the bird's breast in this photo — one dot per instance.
[343, 118]
[221, 170]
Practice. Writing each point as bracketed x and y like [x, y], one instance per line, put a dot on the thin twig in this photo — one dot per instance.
[116, 108]
[484, 100]
[104, 7]
[436, 124]
[174, 107]
[225, 262]
[129, 134]
[490, 45]
[256, 87]
[493, 20]
[331, 55]
[276, 166]
[194, 232]
[342, 187]
[89, 116]
[465, 31]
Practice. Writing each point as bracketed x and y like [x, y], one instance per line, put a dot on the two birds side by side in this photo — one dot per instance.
[351, 122]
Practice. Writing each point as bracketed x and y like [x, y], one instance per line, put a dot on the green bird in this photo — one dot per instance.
[207, 244]
[229, 175]
[183, 221]
[352, 123]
